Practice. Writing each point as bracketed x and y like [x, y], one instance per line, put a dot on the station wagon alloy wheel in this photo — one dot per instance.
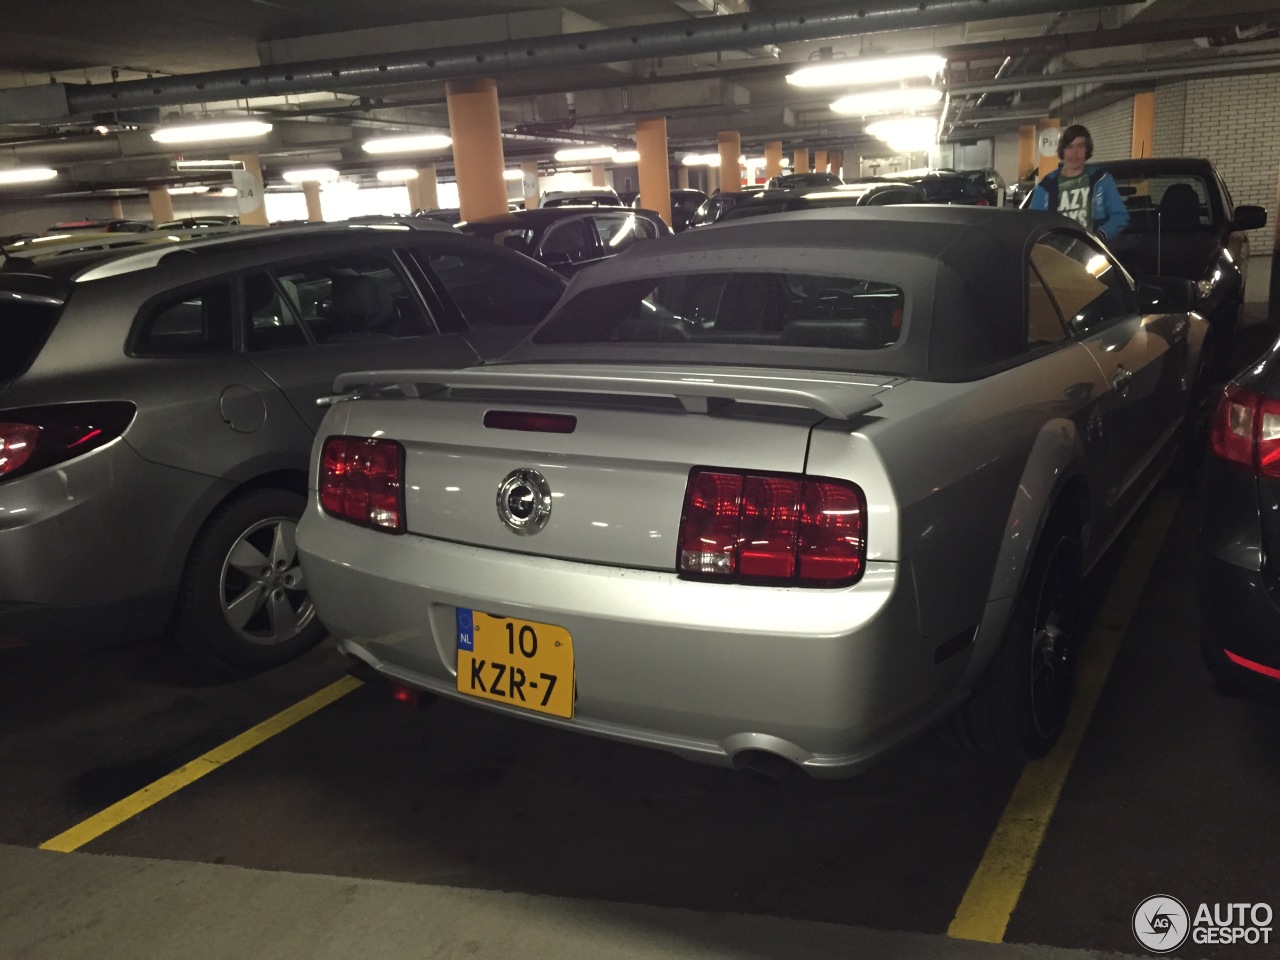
[263, 590]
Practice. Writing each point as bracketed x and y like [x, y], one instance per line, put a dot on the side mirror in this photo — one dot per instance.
[1166, 295]
[1249, 218]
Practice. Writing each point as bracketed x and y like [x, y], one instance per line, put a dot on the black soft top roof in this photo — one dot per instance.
[962, 270]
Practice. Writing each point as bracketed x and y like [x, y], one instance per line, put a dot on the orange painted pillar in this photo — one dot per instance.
[1047, 134]
[655, 181]
[1027, 163]
[730, 146]
[819, 161]
[800, 162]
[478, 162]
[1144, 124]
[424, 189]
[529, 184]
[835, 161]
[773, 159]
[251, 195]
[713, 179]
[161, 204]
[311, 192]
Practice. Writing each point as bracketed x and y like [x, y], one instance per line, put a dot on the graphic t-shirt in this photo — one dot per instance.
[1073, 198]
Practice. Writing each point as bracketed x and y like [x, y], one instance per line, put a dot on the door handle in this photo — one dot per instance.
[1121, 378]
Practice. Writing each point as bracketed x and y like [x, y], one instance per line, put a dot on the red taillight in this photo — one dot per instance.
[34, 438]
[361, 480]
[772, 528]
[17, 444]
[1246, 430]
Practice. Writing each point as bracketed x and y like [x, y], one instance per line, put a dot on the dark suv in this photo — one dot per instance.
[157, 410]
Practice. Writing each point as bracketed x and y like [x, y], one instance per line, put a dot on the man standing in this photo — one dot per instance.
[1079, 191]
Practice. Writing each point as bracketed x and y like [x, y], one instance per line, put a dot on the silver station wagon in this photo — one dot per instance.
[784, 491]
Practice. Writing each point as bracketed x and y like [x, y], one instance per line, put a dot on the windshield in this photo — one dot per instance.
[1170, 202]
[777, 309]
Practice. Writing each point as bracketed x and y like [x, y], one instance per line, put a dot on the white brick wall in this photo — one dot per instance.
[1170, 119]
[1111, 129]
[1006, 157]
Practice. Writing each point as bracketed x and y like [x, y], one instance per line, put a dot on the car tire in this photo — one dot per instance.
[1019, 705]
[243, 605]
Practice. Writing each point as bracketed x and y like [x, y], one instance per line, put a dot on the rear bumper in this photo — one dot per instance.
[829, 679]
[1240, 616]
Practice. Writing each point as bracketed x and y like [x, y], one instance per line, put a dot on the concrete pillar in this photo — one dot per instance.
[682, 177]
[477, 147]
[425, 190]
[655, 181]
[835, 162]
[597, 175]
[311, 192]
[529, 183]
[1047, 134]
[713, 179]
[800, 162]
[1144, 124]
[161, 204]
[730, 145]
[773, 159]
[819, 161]
[1027, 163]
[251, 194]
[117, 209]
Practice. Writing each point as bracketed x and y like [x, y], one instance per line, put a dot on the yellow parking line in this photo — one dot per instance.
[997, 884]
[153, 793]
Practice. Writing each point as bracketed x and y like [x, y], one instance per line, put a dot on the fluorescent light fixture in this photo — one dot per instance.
[701, 160]
[312, 175]
[896, 100]
[627, 156]
[26, 175]
[854, 71]
[209, 164]
[575, 154]
[397, 175]
[180, 191]
[510, 174]
[408, 143]
[228, 192]
[906, 134]
[215, 130]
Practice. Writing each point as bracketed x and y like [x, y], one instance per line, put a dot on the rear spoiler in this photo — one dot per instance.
[840, 399]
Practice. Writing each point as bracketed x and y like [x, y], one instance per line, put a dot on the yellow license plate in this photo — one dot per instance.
[516, 662]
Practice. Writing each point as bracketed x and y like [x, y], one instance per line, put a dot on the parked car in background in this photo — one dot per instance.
[1183, 223]
[850, 195]
[24, 254]
[1238, 570]
[718, 204]
[208, 222]
[157, 409]
[813, 180]
[101, 226]
[684, 204]
[569, 238]
[982, 188]
[596, 197]
[781, 492]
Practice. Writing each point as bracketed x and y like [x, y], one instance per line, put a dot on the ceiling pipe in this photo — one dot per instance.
[678, 38]
[1136, 73]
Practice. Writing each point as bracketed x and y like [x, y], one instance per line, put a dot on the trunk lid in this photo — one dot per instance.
[616, 483]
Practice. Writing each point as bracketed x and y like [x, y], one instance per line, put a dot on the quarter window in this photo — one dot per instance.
[1088, 288]
[197, 321]
[272, 323]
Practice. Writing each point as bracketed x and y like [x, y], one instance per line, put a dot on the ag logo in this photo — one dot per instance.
[1161, 924]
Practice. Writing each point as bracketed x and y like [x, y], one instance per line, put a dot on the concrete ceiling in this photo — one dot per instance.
[77, 42]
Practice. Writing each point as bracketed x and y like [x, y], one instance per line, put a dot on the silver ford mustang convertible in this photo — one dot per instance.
[794, 488]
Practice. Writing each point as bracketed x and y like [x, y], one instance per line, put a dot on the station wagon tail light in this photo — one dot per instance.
[1246, 431]
[33, 438]
[362, 481]
[785, 529]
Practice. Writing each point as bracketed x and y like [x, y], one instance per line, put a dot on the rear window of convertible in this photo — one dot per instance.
[782, 309]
